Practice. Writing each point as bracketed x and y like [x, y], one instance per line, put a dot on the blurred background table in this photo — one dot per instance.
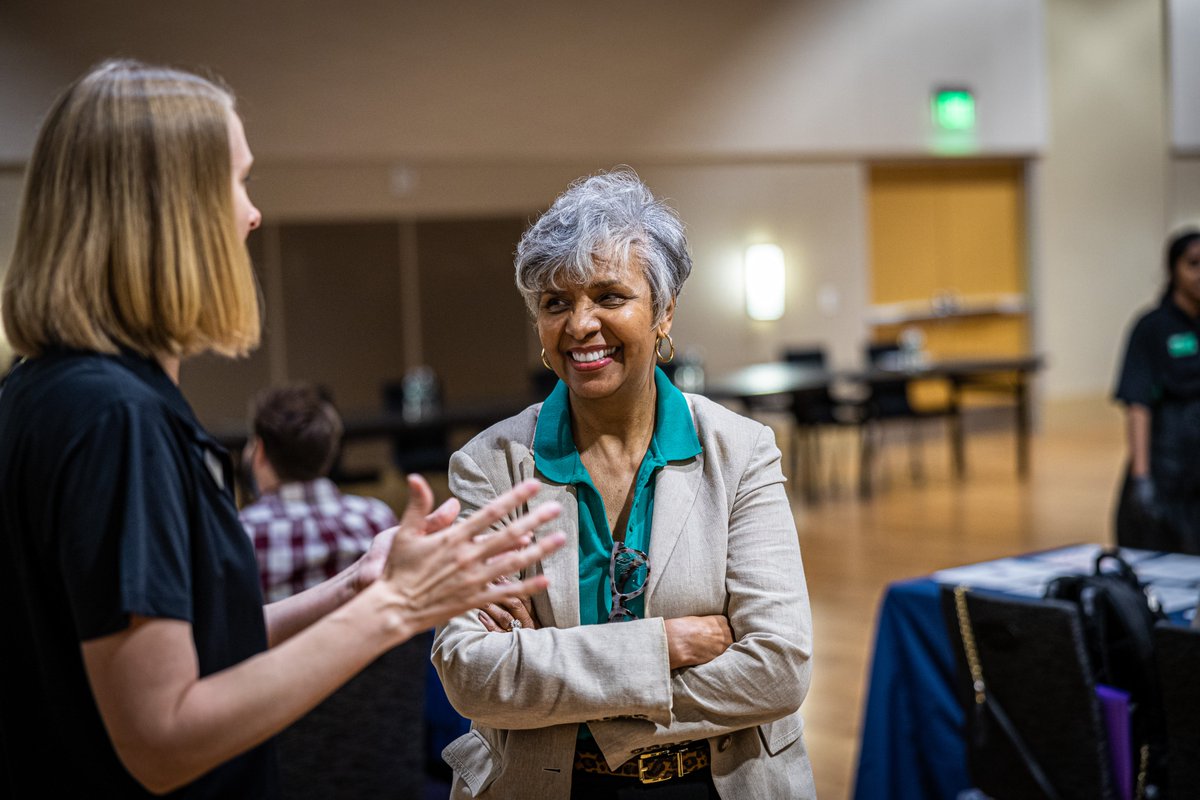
[864, 392]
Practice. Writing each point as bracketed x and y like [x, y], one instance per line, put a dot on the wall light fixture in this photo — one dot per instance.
[764, 281]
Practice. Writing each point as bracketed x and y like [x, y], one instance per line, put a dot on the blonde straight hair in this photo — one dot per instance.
[127, 235]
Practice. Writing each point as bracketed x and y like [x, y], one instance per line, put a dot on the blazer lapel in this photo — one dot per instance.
[562, 566]
[675, 491]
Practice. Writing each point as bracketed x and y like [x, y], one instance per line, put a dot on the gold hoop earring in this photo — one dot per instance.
[658, 349]
[546, 363]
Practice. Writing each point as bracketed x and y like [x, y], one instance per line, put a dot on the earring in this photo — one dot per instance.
[546, 363]
[658, 349]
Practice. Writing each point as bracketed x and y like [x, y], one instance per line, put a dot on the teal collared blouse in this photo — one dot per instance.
[557, 459]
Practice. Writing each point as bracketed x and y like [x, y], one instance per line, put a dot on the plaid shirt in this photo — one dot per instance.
[306, 533]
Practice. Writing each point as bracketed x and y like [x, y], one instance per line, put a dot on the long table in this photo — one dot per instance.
[1007, 375]
[383, 424]
[912, 745]
[750, 385]
[1002, 375]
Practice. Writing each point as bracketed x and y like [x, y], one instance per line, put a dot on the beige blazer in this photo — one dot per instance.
[722, 541]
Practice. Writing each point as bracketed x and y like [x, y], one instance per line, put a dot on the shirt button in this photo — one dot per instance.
[723, 745]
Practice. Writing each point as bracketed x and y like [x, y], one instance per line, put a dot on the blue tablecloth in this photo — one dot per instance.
[912, 734]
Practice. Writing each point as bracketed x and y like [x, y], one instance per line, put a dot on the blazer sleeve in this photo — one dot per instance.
[548, 676]
[765, 674]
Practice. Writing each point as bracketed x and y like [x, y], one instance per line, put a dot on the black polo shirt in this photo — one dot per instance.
[113, 502]
[1162, 359]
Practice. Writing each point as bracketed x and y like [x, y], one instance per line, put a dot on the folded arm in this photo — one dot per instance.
[537, 678]
[765, 674]
[518, 680]
[515, 680]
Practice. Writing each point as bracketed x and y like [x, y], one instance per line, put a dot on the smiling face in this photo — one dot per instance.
[1186, 277]
[600, 337]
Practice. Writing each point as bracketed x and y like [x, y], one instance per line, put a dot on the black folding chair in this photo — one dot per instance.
[889, 403]
[1177, 654]
[367, 739]
[813, 410]
[1034, 725]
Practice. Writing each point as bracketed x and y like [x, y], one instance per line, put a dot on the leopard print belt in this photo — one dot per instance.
[652, 767]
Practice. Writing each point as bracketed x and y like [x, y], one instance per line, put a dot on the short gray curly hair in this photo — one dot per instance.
[608, 216]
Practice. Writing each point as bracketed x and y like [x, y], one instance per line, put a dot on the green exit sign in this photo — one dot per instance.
[953, 109]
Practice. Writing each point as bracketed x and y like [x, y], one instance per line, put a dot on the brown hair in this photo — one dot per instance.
[299, 428]
[127, 234]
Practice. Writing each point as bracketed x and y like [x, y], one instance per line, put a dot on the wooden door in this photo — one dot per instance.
[948, 256]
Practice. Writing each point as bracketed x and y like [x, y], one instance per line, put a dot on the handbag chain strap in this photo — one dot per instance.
[1143, 764]
[968, 640]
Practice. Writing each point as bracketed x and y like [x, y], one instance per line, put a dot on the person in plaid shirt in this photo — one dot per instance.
[304, 530]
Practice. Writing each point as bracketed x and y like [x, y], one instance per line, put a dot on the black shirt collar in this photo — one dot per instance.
[151, 373]
[1171, 307]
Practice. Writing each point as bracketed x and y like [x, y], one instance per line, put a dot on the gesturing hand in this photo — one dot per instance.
[370, 566]
[434, 576]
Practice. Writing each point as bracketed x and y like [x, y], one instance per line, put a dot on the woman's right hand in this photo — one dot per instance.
[697, 640]
[433, 576]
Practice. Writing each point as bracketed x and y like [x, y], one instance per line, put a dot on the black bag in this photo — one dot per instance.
[1118, 627]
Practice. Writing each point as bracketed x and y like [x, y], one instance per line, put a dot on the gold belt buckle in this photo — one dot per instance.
[665, 776]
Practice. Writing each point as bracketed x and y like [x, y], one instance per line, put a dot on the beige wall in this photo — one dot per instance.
[814, 212]
[758, 120]
[1183, 65]
[476, 81]
[1184, 195]
[1100, 194]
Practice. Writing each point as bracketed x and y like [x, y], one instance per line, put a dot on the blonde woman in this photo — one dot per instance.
[137, 655]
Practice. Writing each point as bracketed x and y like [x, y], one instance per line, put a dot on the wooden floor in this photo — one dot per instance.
[852, 549]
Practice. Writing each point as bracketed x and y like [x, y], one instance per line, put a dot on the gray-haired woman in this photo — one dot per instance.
[678, 527]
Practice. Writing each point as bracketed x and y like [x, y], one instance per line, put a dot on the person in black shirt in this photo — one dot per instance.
[1159, 384]
[138, 656]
